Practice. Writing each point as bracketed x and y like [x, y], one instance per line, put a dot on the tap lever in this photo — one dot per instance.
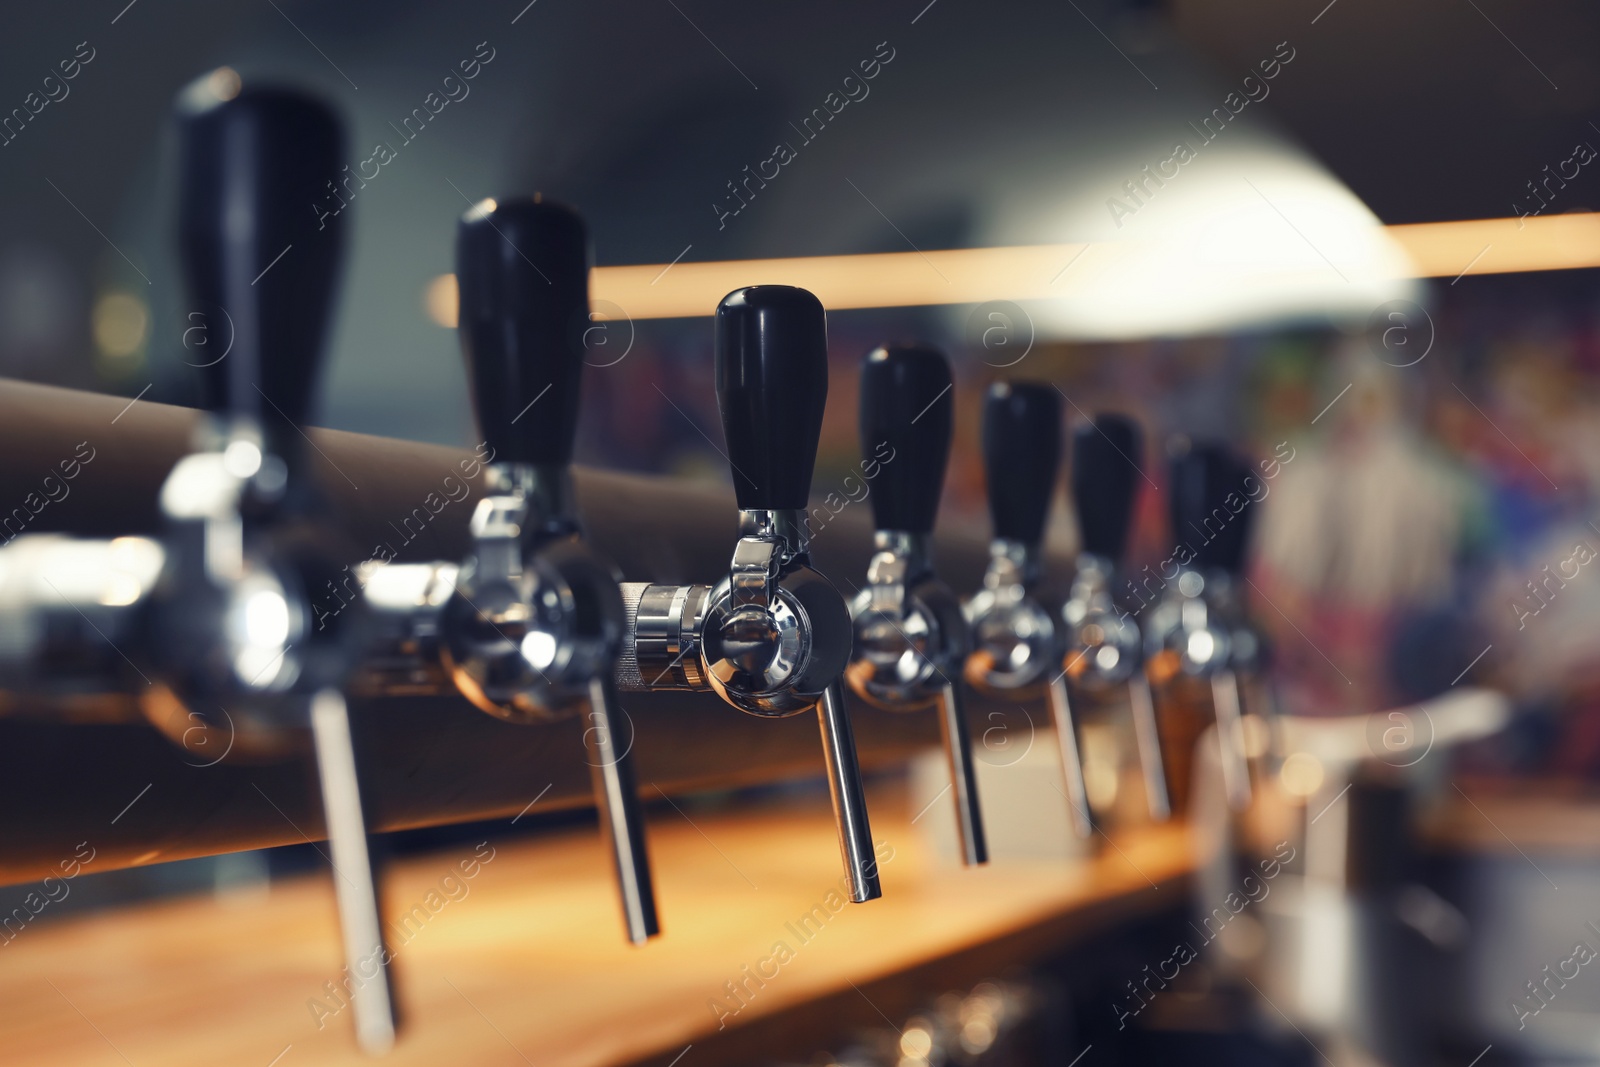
[910, 637]
[354, 880]
[772, 386]
[963, 775]
[1147, 736]
[1071, 759]
[260, 260]
[1105, 473]
[522, 268]
[1103, 645]
[906, 403]
[1021, 457]
[1204, 476]
[620, 815]
[849, 797]
[538, 623]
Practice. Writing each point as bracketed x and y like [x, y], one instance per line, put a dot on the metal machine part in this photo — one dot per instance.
[911, 638]
[1198, 627]
[773, 637]
[1016, 646]
[530, 625]
[219, 609]
[1104, 649]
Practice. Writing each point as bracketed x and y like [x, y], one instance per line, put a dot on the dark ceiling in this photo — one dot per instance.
[1428, 109]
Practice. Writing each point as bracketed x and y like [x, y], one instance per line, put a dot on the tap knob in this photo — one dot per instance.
[1104, 648]
[535, 629]
[906, 403]
[772, 386]
[910, 635]
[1021, 457]
[261, 266]
[232, 615]
[1105, 465]
[522, 270]
[1209, 506]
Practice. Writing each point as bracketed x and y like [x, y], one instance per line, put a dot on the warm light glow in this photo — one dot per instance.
[1301, 774]
[1034, 272]
[223, 83]
[916, 1043]
[442, 301]
[1502, 246]
[121, 323]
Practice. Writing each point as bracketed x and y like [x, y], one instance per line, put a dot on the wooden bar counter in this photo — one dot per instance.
[522, 960]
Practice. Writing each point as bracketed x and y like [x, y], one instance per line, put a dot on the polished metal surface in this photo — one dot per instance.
[1148, 737]
[1105, 651]
[434, 759]
[1077, 793]
[849, 799]
[354, 882]
[661, 640]
[1198, 627]
[911, 642]
[1103, 648]
[1230, 735]
[609, 738]
[963, 776]
[1015, 642]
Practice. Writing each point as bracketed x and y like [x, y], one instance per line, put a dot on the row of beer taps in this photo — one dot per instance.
[534, 624]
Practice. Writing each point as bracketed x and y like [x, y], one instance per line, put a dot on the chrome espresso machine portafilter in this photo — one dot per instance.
[1198, 629]
[1016, 644]
[911, 638]
[210, 625]
[1104, 650]
[530, 625]
[773, 637]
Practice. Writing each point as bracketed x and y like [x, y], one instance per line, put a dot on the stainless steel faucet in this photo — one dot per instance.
[911, 638]
[1016, 644]
[772, 637]
[1104, 650]
[1198, 627]
[218, 609]
[530, 625]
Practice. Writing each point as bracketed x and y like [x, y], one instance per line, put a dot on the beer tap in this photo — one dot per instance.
[773, 637]
[1104, 650]
[910, 634]
[1016, 647]
[231, 613]
[530, 625]
[218, 608]
[1197, 629]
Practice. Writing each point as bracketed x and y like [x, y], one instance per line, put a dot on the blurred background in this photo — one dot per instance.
[1356, 238]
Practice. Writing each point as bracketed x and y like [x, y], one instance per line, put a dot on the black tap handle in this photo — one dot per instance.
[1105, 480]
[772, 384]
[522, 269]
[906, 406]
[1021, 457]
[1212, 505]
[260, 247]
